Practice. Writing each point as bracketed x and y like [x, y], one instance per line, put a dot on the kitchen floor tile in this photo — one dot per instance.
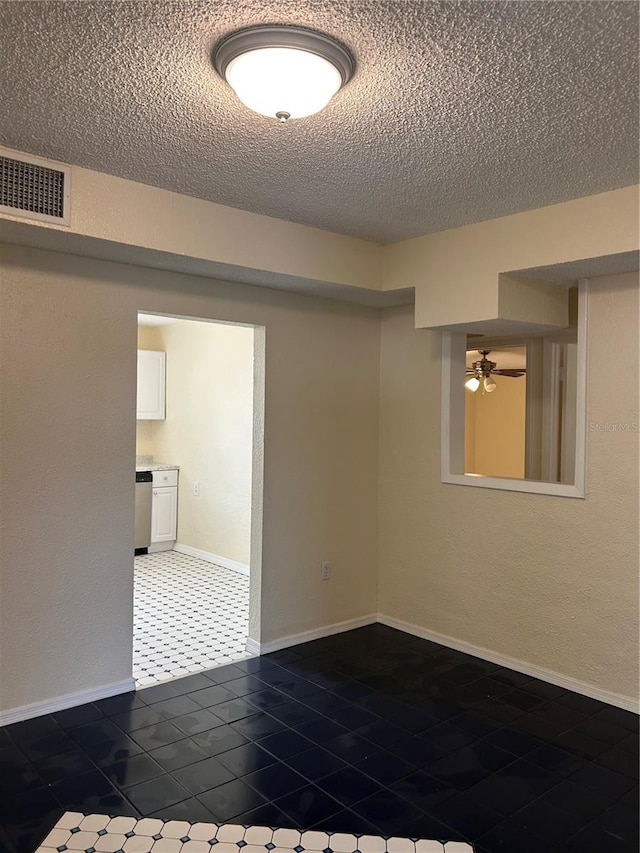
[189, 616]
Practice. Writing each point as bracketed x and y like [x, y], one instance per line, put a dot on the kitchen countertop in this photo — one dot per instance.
[146, 463]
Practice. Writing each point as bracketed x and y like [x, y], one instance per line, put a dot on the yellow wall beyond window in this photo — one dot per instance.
[495, 429]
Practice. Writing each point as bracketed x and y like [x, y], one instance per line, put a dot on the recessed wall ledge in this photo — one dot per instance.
[515, 307]
[529, 301]
[34, 236]
[463, 276]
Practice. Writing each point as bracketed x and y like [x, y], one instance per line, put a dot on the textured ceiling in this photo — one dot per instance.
[458, 112]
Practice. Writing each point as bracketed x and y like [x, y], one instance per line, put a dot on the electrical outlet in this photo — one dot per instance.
[325, 571]
[196, 489]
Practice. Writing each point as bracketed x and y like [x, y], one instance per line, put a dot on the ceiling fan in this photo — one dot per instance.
[482, 371]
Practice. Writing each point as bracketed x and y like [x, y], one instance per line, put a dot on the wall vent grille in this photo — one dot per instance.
[34, 188]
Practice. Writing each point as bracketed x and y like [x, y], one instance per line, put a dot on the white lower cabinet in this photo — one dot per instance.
[164, 515]
[164, 511]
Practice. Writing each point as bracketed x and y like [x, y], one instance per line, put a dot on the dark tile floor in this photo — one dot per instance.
[372, 731]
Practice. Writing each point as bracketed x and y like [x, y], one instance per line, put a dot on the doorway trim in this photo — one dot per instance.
[257, 489]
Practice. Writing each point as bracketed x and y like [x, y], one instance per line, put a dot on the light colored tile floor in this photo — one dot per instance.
[78, 832]
[188, 616]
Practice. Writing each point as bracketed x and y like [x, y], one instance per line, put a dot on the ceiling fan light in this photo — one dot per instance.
[283, 72]
[489, 384]
[472, 384]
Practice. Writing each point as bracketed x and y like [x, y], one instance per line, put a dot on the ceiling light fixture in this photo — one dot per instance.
[482, 372]
[283, 72]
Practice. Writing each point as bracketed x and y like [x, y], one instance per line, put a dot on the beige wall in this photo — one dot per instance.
[150, 337]
[495, 429]
[68, 380]
[550, 581]
[208, 433]
[145, 438]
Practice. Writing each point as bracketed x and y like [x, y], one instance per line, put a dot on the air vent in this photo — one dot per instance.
[33, 188]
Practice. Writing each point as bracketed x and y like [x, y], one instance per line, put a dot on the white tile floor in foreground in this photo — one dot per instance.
[102, 834]
[189, 616]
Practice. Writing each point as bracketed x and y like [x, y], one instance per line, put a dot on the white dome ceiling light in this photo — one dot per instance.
[283, 72]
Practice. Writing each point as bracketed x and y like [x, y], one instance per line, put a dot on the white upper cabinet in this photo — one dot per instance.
[151, 385]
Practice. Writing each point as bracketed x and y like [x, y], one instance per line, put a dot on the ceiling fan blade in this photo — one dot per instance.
[510, 372]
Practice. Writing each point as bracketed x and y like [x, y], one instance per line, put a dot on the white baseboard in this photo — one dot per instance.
[252, 647]
[159, 547]
[628, 703]
[225, 562]
[71, 700]
[60, 703]
[314, 634]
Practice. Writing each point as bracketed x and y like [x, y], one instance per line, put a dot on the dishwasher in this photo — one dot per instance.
[142, 534]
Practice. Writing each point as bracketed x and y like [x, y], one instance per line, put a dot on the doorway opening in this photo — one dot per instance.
[199, 464]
